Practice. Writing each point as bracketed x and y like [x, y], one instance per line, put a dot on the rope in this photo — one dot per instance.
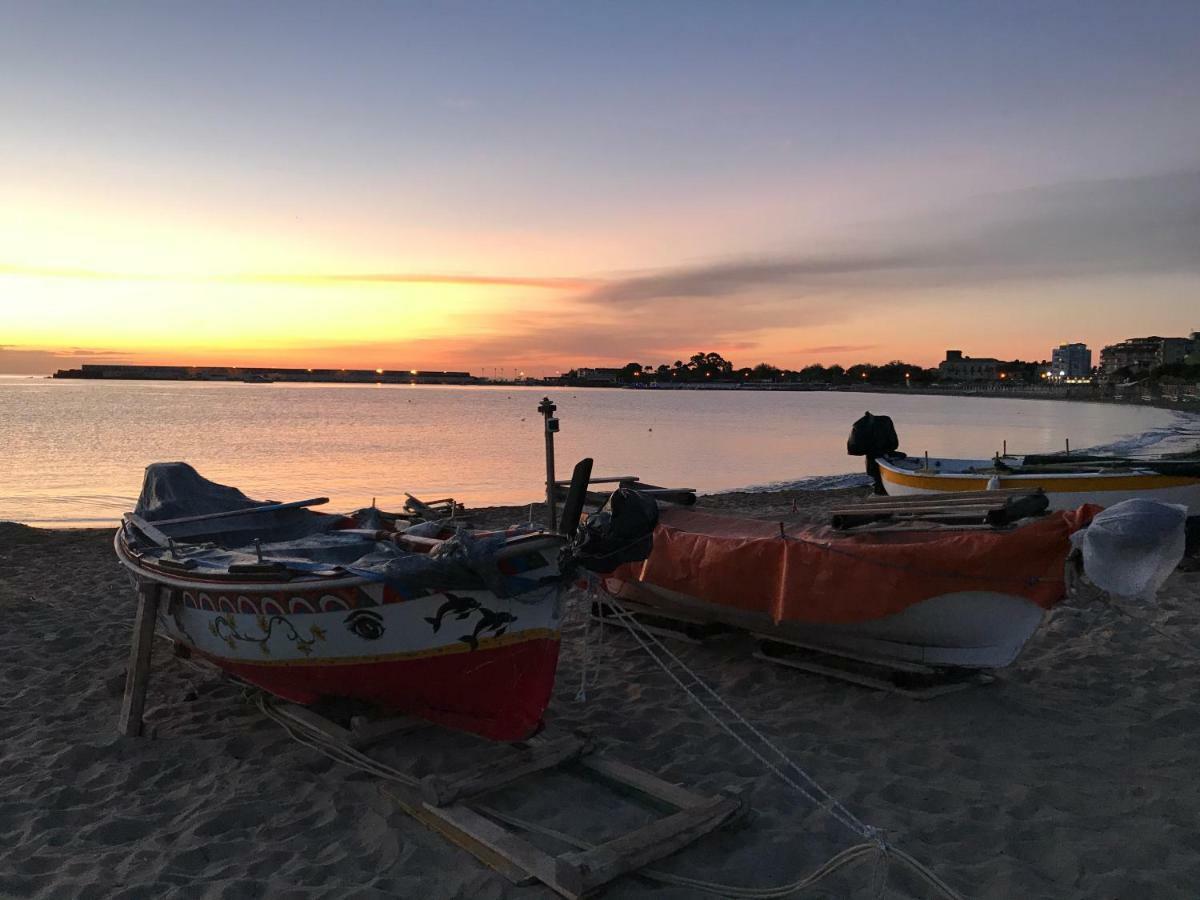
[806, 786]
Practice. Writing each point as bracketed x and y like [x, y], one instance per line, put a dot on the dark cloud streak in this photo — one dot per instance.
[1081, 229]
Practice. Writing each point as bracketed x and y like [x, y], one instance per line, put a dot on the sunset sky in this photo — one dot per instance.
[542, 185]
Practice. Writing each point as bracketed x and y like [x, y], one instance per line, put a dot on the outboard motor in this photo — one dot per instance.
[622, 532]
[873, 437]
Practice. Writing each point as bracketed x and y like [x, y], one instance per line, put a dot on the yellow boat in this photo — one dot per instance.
[1068, 482]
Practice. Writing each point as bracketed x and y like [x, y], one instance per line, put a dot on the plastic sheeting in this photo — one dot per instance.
[173, 490]
[819, 575]
[1131, 547]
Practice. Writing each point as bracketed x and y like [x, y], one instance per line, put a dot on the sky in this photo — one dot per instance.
[534, 186]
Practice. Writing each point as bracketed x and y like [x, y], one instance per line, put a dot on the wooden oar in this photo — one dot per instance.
[250, 510]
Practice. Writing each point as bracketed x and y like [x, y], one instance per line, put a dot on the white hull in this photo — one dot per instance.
[1188, 496]
[1065, 490]
[970, 629]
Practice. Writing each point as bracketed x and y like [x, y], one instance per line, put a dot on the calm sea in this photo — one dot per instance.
[72, 452]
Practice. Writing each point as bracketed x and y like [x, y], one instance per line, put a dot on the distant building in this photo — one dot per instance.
[957, 367]
[1070, 361]
[1174, 350]
[598, 376]
[1140, 355]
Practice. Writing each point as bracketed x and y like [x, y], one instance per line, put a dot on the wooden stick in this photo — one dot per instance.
[137, 675]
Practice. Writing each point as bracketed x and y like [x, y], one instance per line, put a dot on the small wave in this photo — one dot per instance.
[816, 483]
[1182, 434]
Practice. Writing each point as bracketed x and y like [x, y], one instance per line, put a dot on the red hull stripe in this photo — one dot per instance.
[499, 692]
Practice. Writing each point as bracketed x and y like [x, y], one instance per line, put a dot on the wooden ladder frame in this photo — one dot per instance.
[442, 803]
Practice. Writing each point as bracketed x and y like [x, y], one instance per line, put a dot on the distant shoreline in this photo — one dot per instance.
[1175, 402]
[1179, 398]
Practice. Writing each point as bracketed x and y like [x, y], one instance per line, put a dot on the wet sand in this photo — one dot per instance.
[1072, 775]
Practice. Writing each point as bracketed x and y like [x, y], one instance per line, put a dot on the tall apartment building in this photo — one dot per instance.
[1070, 361]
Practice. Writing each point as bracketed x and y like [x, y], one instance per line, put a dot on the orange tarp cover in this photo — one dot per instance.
[821, 575]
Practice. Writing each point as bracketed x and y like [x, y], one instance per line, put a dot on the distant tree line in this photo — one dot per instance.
[710, 367]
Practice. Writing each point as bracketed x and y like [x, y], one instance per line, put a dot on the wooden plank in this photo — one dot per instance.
[137, 674]
[585, 870]
[642, 781]
[946, 496]
[941, 518]
[867, 680]
[150, 531]
[516, 850]
[455, 835]
[441, 790]
[913, 508]
[899, 665]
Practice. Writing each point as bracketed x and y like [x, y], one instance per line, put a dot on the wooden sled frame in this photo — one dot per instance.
[911, 680]
[441, 803]
[906, 679]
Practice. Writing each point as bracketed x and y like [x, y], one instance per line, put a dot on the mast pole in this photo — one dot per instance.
[546, 408]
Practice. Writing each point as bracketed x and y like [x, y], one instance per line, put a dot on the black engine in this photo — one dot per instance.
[622, 532]
[873, 437]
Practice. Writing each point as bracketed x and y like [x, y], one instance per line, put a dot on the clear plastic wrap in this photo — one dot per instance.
[1130, 548]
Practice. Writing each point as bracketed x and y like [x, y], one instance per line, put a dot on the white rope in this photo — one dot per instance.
[581, 694]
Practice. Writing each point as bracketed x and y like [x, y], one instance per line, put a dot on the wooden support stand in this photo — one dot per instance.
[911, 680]
[137, 675]
[442, 803]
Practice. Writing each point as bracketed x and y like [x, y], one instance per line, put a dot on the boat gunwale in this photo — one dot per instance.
[134, 561]
[1159, 478]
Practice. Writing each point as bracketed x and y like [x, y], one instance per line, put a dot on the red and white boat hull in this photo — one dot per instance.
[467, 659]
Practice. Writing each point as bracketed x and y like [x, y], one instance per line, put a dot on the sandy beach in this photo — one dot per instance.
[1072, 775]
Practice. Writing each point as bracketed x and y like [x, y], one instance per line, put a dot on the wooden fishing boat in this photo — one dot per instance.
[968, 596]
[1068, 481]
[458, 627]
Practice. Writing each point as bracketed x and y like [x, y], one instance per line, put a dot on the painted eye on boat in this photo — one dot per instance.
[366, 624]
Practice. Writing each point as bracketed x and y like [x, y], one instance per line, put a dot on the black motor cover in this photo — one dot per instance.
[872, 436]
[620, 533]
